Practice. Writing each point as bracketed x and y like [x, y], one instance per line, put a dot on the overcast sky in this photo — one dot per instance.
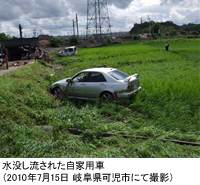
[54, 17]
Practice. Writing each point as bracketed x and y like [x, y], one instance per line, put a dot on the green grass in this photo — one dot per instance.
[167, 107]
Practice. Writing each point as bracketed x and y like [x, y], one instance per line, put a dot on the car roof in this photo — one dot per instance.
[99, 69]
[71, 47]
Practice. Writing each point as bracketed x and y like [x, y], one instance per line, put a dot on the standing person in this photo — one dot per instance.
[167, 46]
[1, 56]
[47, 57]
[5, 58]
[37, 53]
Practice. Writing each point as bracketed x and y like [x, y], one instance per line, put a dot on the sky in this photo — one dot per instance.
[54, 17]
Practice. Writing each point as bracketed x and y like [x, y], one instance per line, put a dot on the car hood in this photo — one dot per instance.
[61, 82]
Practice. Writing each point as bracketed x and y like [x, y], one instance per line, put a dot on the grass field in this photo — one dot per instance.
[168, 107]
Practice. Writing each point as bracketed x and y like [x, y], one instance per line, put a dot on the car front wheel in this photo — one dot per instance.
[107, 97]
[57, 92]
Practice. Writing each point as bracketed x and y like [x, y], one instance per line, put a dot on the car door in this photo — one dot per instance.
[95, 84]
[73, 89]
[87, 85]
[70, 51]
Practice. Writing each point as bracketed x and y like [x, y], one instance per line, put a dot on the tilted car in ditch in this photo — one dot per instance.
[68, 51]
[105, 83]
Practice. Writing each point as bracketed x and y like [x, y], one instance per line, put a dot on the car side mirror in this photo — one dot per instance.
[69, 81]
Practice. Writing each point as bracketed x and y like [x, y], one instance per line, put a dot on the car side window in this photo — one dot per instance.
[96, 77]
[90, 77]
[82, 77]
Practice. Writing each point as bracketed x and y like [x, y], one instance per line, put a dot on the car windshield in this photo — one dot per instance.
[118, 75]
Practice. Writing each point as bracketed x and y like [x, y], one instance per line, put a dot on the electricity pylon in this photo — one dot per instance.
[98, 20]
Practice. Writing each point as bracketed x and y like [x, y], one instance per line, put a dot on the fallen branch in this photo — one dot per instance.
[76, 131]
[181, 142]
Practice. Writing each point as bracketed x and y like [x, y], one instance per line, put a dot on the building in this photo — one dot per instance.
[19, 48]
[44, 41]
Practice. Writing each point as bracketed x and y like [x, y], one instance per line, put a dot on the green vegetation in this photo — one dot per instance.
[61, 41]
[167, 28]
[4, 37]
[56, 42]
[34, 124]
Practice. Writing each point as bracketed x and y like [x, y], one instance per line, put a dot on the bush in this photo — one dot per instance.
[73, 41]
[55, 42]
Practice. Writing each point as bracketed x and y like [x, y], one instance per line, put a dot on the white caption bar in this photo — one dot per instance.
[100, 171]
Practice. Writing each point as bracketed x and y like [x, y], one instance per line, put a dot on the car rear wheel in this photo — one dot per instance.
[107, 97]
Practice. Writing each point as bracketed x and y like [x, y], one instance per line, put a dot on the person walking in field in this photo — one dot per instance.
[167, 46]
[36, 53]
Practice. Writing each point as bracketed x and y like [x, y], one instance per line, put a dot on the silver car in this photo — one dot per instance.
[104, 83]
[68, 51]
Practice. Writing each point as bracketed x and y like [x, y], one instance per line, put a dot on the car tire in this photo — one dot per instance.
[57, 92]
[107, 97]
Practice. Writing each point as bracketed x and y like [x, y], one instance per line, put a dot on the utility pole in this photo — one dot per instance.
[20, 31]
[77, 26]
[96, 21]
[141, 20]
[34, 33]
[99, 15]
[74, 33]
[149, 25]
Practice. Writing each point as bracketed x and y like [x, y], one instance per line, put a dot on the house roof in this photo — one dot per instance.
[19, 42]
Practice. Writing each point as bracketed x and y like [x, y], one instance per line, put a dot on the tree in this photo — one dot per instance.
[3, 37]
[74, 41]
[56, 42]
